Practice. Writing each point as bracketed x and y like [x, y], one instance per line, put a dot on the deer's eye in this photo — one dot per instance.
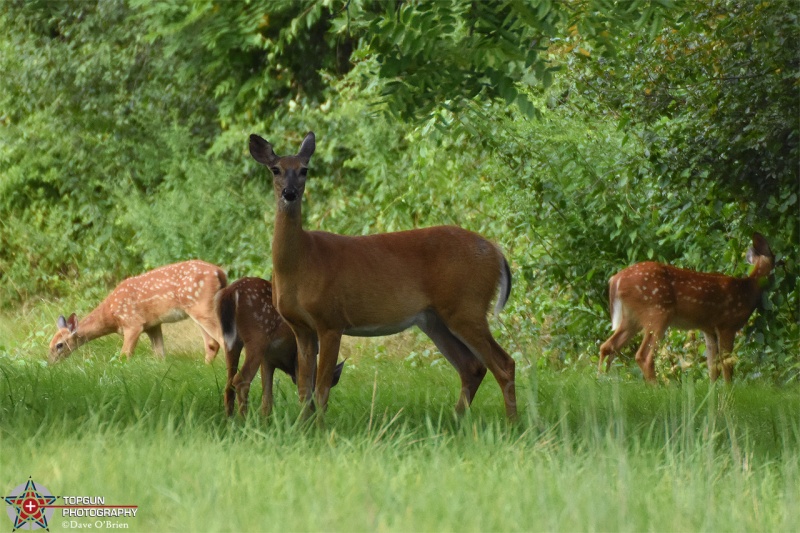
[303, 171]
[276, 171]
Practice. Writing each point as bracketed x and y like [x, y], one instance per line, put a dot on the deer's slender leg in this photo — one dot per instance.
[726, 338]
[156, 339]
[329, 342]
[254, 354]
[475, 334]
[645, 356]
[306, 367]
[232, 365]
[470, 369]
[130, 336]
[267, 381]
[609, 349]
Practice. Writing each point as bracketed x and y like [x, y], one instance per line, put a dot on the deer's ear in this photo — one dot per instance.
[760, 245]
[72, 323]
[308, 147]
[261, 150]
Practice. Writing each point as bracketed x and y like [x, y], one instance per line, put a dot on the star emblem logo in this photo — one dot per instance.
[28, 506]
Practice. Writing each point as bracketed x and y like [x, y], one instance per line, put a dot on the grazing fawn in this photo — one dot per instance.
[142, 303]
[249, 320]
[651, 297]
[441, 279]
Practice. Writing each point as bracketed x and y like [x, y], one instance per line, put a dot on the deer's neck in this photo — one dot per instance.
[288, 242]
[96, 324]
[760, 273]
[746, 295]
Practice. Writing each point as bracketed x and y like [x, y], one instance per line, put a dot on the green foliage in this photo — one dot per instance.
[86, 123]
[715, 88]
[258, 60]
[437, 55]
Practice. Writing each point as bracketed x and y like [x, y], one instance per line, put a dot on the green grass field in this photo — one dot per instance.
[588, 454]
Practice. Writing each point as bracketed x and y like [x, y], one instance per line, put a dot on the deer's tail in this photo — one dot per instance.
[227, 301]
[615, 309]
[222, 278]
[505, 286]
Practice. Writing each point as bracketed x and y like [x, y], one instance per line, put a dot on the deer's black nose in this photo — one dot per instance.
[289, 194]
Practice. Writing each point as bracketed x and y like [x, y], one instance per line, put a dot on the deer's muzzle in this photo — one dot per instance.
[289, 194]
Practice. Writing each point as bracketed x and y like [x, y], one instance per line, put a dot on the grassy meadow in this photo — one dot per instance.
[588, 454]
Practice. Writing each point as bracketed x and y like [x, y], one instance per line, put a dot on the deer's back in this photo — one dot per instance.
[689, 299]
[165, 294]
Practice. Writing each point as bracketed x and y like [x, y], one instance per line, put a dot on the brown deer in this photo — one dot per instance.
[142, 303]
[250, 322]
[441, 279]
[651, 297]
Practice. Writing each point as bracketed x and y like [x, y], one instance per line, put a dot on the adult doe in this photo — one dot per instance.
[250, 322]
[441, 279]
[142, 303]
[651, 297]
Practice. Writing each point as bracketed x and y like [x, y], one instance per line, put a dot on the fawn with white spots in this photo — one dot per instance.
[651, 297]
[142, 303]
[250, 322]
[441, 279]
